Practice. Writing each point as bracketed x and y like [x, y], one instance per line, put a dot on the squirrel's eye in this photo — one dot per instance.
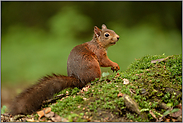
[106, 35]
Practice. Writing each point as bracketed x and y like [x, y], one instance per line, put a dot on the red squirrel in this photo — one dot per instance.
[83, 66]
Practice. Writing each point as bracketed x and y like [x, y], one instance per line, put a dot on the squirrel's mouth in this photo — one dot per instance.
[114, 42]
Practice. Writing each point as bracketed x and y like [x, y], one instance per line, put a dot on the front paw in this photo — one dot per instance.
[115, 67]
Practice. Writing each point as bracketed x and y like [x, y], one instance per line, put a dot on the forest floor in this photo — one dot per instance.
[150, 90]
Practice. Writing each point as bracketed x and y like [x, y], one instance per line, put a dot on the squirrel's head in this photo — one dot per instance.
[105, 36]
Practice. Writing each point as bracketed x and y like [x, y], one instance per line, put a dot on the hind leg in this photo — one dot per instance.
[91, 74]
[86, 71]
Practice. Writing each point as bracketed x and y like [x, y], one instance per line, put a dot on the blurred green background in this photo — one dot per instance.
[37, 37]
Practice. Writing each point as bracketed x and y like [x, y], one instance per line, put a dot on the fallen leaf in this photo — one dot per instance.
[40, 114]
[96, 121]
[177, 114]
[158, 60]
[179, 106]
[50, 114]
[47, 110]
[104, 74]
[16, 117]
[167, 120]
[125, 81]
[131, 104]
[30, 120]
[43, 112]
[57, 118]
[53, 116]
[153, 115]
[179, 119]
[67, 92]
[79, 106]
[132, 91]
[120, 95]
[163, 105]
[84, 99]
[174, 120]
[85, 88]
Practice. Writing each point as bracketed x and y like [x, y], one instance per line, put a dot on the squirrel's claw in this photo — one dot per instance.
[115, 68]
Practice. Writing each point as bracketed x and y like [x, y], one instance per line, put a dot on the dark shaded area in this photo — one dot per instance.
[167, 14]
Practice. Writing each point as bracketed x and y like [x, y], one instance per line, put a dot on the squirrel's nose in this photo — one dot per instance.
[117, 38]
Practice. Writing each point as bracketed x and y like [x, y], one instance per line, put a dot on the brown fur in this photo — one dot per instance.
[31, 99]
[83, 66]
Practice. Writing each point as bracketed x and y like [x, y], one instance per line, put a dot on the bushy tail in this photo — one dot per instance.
[30, 100]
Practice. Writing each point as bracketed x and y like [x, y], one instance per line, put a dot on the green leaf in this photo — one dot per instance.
[104, 74]
[142, 110]
[169, 104]
[166, 112]
[175, 110]
[3, 109]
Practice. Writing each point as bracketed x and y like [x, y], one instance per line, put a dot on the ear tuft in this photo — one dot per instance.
[97, 31]
[104, 26]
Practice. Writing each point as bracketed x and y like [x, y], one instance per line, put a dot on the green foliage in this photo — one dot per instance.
[134, 117]
[75, 117]
[62, 24]
[175, 67]
[3, 109]
[144, 62]
[69, 91]
[170, 99]
[166, 15]
[68, 104]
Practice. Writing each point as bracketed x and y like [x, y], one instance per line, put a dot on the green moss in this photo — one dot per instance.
[150, 83]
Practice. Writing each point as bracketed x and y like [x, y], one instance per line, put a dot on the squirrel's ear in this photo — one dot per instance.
[97, 31]
[104, 26]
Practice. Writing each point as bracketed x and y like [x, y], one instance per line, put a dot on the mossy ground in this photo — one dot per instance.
[150, 83]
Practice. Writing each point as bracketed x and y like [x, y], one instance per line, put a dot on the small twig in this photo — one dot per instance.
[153, 115]
[53, 100]
[161, 118]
